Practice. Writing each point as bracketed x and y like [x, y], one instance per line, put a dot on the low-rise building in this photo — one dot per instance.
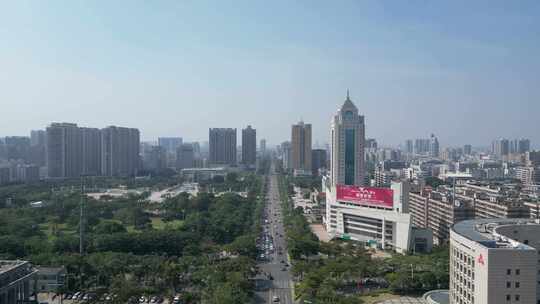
[50, 279]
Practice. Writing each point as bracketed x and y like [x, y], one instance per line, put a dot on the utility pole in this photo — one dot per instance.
[81, 231]
[81, 219]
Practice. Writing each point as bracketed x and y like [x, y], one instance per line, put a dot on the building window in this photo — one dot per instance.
[350, 156]
[508, 271]
[508, 284]
[517, 284]
[508, 297]
[516, 298]
[517, 271]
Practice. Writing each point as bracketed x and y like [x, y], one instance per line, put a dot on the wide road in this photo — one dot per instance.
[275, 263]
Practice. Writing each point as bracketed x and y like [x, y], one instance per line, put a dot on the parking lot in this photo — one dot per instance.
[90, 297]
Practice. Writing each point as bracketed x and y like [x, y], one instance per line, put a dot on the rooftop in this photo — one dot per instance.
[483, 231]
[7, 265]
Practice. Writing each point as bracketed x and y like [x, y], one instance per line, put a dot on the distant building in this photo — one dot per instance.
[286, 151]
[524, 145]
[318, 160]
[371, 143]
[17, 148]
[434, 146]
[422, 146]
[170, 144]
[38, 144]
[347, 150]
[222, 146]
[532, 158]
[185, 156]
[409, 147]
[467, 149]
[301, 147]
[154, 158]
[263, 147]
[249, 146]
[500, 147]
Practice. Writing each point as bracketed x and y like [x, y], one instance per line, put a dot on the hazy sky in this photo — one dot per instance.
[468, 71]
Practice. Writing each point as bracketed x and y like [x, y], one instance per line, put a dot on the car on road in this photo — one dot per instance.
[275, 299]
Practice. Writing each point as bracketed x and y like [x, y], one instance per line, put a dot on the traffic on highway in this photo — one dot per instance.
[274, 283]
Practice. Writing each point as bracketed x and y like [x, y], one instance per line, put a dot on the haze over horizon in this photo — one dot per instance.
[467, 72]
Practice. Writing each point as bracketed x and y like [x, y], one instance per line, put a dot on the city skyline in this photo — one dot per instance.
[451, 69]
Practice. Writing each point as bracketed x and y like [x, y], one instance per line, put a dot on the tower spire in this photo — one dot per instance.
[348, 94]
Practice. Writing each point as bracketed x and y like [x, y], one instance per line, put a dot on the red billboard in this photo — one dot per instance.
[369, 196]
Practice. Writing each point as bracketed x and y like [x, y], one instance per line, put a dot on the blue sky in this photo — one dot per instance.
[468, 72]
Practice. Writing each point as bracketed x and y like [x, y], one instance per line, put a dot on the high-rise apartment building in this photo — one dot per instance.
[249, 146]
[64, 150]
[301, 147]
[222, 143]
[347, 137]
[185, 156]
[91, 151]
[120, 151]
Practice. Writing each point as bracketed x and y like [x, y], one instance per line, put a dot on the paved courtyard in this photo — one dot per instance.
[404, 300]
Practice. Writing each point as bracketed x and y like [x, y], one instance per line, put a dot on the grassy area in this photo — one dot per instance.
[159, 224]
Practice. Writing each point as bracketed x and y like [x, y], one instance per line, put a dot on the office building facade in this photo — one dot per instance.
[347, 137]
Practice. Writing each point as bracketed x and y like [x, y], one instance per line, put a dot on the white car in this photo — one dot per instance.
[275, 299]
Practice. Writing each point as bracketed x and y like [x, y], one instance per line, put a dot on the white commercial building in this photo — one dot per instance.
[376, 216]
[495, 261]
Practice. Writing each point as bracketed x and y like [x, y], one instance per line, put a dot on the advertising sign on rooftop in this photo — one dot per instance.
[368, 196]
